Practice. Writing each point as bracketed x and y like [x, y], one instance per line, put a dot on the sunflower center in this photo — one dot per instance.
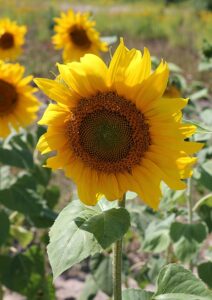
[108, 133]
[6, 41]
[8, 97]
[79, 37]
[108, 137]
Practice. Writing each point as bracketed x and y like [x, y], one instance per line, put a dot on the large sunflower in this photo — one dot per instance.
[111, 129]
[11, 39]
[18, 106]
[75, 34]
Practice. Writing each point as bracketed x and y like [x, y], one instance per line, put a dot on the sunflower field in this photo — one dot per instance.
[106, 150]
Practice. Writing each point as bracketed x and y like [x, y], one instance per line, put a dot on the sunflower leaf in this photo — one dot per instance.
[136, 294]
[176, 283]
[68, 243]
[205, 272]
[187, 239]
[108, 226]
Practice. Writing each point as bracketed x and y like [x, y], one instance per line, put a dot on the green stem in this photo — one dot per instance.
[117, 263]
[189, 200]
[190, 209]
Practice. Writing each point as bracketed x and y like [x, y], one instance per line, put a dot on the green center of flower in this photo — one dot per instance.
[8, 97]
[79, 37]
[108, 133]
[6, 41]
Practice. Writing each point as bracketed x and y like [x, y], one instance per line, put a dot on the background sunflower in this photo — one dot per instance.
[76, 35]
[18, 106]
[11, 39]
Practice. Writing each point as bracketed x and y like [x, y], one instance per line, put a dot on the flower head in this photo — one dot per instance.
[112, 130]
[18, 106]
[11, 39]
[75, 34]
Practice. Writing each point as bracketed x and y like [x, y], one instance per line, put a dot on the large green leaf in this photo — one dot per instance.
[4, 227]
[174, 281]
[108, 226]
[157, 235]
[68, 243]
[187, 239]
[205, 272]
[101, 270]
[136, 294]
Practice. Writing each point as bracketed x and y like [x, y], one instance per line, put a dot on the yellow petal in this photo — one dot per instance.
[153, 87]
[56, 91]
[54, 115]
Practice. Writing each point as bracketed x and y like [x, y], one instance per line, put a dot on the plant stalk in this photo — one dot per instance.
[189, 200]
[190, 209]
[117, 263]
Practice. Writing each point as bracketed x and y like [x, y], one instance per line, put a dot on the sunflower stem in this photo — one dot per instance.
[117, 263]
[189, 200]
[190, 209]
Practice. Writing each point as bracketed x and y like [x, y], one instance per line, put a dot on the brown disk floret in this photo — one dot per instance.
[8, 97]
[108, 133]
[79, 37]
[6, 41]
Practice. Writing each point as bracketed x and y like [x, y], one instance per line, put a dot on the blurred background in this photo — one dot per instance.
[173, 29]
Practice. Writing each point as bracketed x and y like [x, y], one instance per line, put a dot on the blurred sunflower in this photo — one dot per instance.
[18, 106]
[75, 34]
[113, 131]
[11, 39]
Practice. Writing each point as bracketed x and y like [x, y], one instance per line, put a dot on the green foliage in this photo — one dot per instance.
[90, 289]
[25, 273]
[206, 174]
[16, 152]
[175, 283]
[136, 294]
[27, 200]
[187, 239]
[101, 271]
[108, 226]
[4, 227]
[68, 243]
[205, 272]
[88, 229]
[157, 235]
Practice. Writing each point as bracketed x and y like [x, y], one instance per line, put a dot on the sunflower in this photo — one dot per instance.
[111, 130]
[18, 106]
[75, 34]
[11, 39]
